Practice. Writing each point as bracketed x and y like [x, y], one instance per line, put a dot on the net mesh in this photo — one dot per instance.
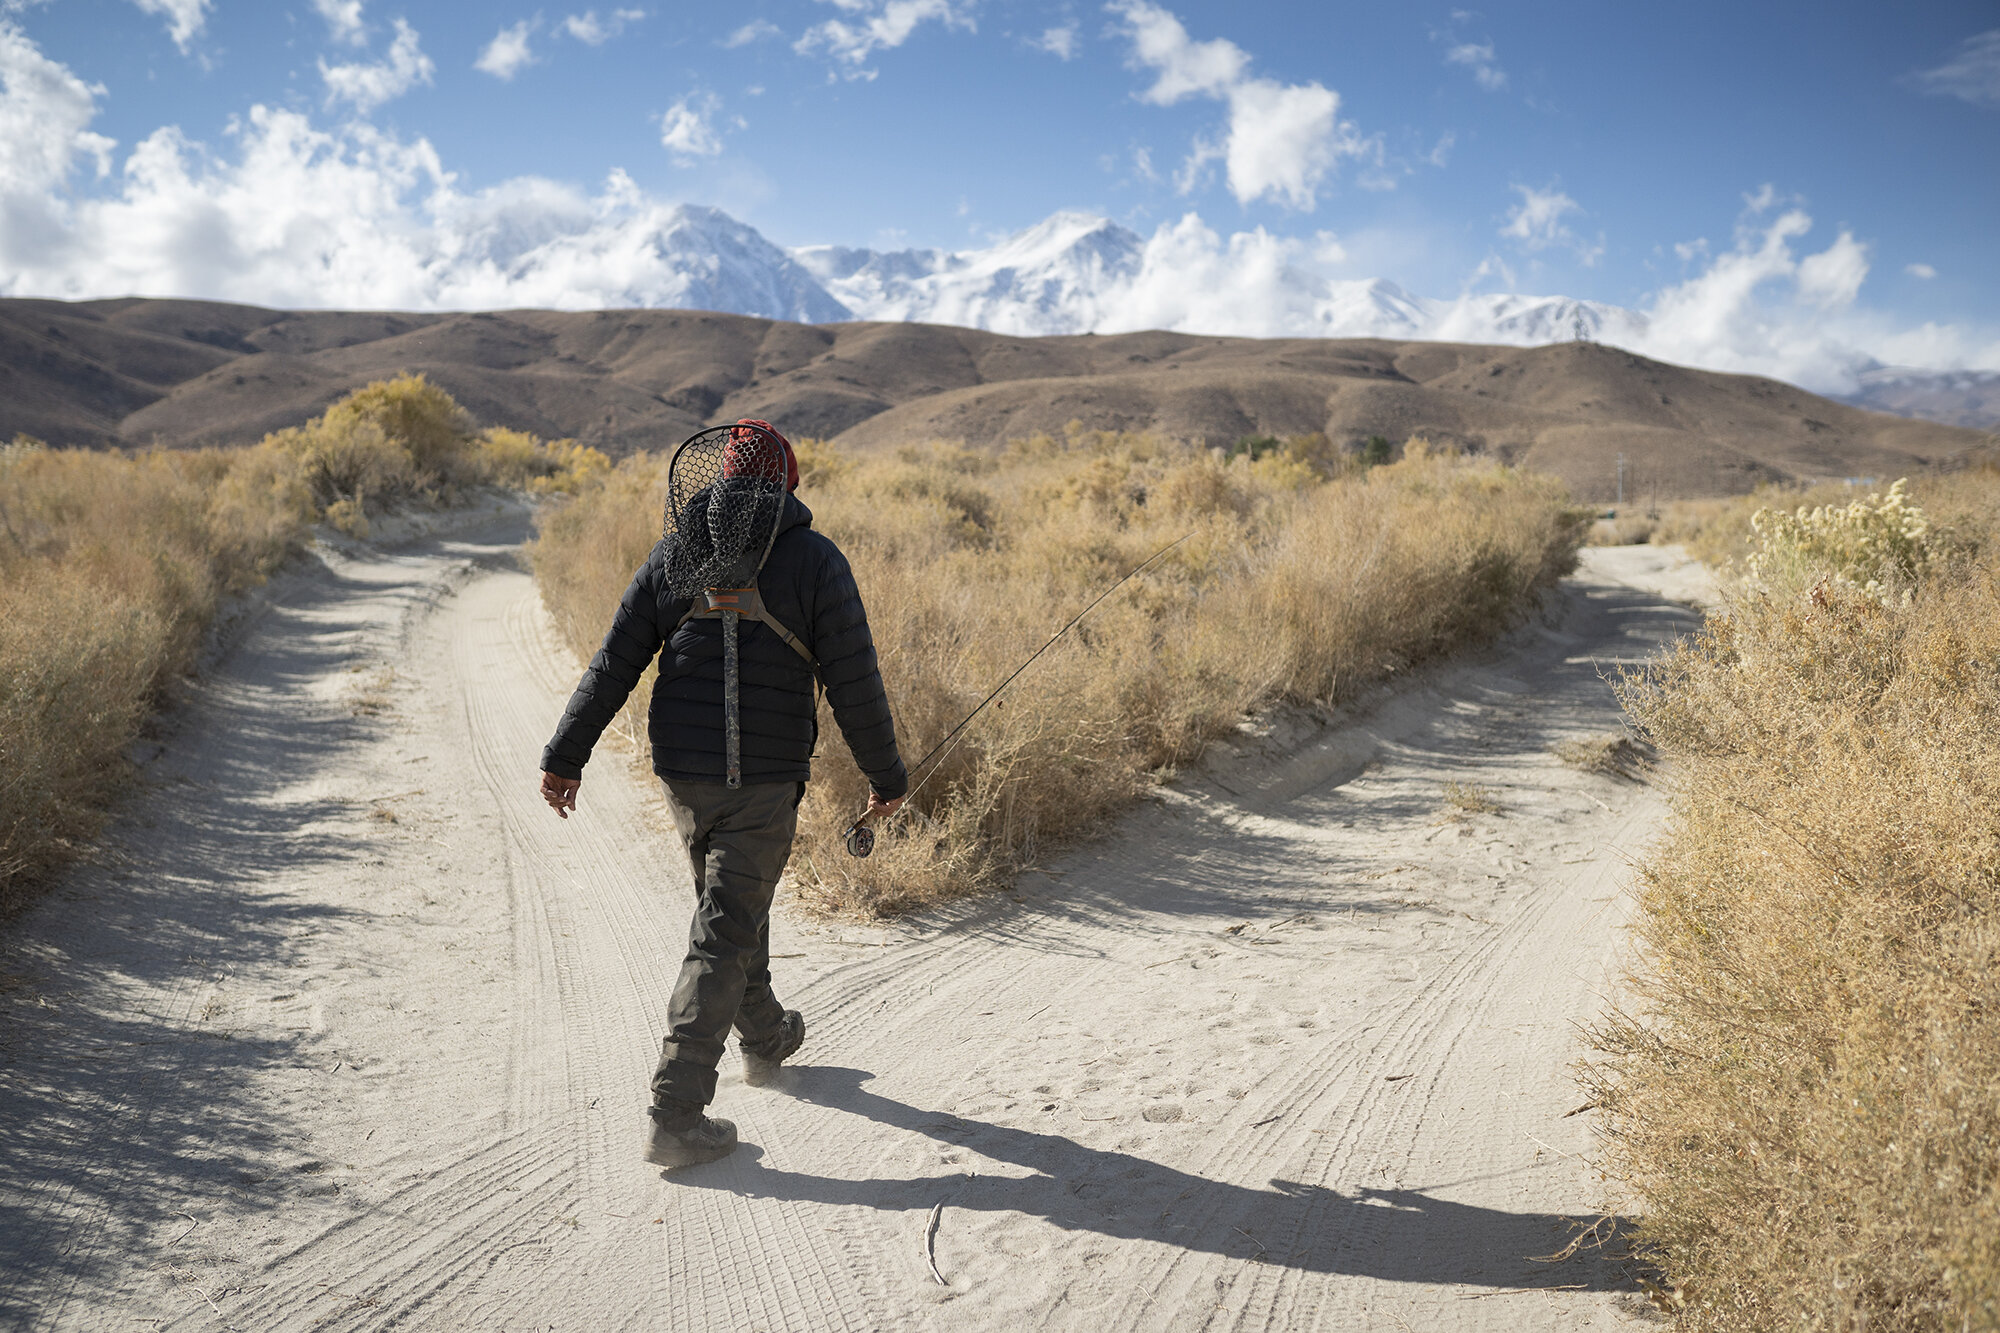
[725, 492]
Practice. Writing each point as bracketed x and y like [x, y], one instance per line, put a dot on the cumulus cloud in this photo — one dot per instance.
[509, 50]
[1764, 308]
[756, 30]
[1536, 223]
[1058, 42]
[1478, 57]
[1282, 140]
[297, 216]
[369, 84]
[591, 30]
[184, 17]
[343, 20]
[1971, 74]
[1922, 272]
[687, 130]
[1185, 67]
[876, 25]
[288, 214]
[45, 115]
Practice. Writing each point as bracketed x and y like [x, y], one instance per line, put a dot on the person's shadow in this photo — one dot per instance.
[1401, 1235]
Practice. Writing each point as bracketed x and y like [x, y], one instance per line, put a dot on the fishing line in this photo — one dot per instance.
[859, 838]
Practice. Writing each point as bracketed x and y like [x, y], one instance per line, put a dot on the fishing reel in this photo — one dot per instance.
[860, 836]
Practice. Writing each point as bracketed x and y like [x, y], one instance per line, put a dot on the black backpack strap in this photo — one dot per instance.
[748, 603]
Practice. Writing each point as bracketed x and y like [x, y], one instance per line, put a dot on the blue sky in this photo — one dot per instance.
[1599, 150]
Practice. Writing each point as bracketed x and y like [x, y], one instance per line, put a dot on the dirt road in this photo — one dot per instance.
[346, 1031]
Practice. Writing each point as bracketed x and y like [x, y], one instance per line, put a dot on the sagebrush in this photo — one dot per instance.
[1299, 580]
[1803, 1095]
[112, 565]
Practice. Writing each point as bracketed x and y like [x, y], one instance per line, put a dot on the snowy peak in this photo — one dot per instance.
[1046, 279]
[1070, 273]
[1532, 320]
[728, 266]
[1080, 273]
[1954, 397]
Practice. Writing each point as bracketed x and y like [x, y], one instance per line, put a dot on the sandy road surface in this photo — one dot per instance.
[348, 1032]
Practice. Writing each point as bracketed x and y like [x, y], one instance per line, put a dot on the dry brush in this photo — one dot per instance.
[113, 564]
[1302, 581]
[1803, 1095]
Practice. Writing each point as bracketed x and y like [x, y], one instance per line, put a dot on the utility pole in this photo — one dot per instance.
[1621, 481]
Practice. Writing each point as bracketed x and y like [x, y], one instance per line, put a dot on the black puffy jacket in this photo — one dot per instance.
[807, 585]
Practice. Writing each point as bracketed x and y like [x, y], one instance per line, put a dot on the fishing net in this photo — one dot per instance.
[725, 492]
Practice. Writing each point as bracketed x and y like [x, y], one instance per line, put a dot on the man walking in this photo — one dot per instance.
[732, 724]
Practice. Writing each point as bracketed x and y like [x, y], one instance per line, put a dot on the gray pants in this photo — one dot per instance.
[738, 843]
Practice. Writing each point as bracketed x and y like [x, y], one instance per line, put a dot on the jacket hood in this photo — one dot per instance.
[795, 515]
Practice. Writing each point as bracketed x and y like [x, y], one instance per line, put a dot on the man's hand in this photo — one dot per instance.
[881, 809]
[560, 793]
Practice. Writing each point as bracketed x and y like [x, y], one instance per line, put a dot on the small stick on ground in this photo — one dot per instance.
[1523, 1291]
[930, 1242]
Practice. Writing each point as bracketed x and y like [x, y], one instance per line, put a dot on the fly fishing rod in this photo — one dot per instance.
[859, 838]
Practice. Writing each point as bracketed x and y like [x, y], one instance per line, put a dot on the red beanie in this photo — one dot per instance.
[791, 459]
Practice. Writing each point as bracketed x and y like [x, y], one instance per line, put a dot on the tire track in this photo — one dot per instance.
[1285, 1050]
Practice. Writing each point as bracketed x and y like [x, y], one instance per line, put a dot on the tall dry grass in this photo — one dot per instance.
[1290, 587]
[112, 566]
[1804, 1096]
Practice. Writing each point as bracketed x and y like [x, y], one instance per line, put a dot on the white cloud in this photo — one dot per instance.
[508, 52]
[1832, 278]
[1058, 42]
[877, 25]
[756, 30]
[1923, 272]
[300, 217]
[285, 214]
[343, 20]
[1186, 67]
[1478, 57]
[1762, 309]
[368, 86]
[1763, 201]
[687, 130]
[1536, 223]
[1440, 155]
[1282, 141]
[45, 115]
[184, 17]
[1972, 73]
[594, 31]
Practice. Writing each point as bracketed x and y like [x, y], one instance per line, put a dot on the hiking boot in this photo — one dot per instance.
[762, 1061]
[678, 1134]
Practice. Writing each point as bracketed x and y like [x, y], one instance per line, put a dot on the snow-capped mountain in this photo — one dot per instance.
[703, 259]
[685, 257]
[1051, 278]
[1077, 273]
[1955, 397]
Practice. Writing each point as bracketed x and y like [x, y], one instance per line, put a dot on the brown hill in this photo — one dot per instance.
[181, 373]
